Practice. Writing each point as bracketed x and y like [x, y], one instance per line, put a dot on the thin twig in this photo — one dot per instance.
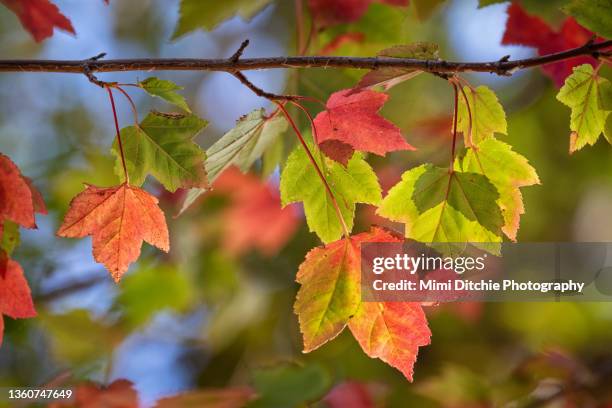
[500, 67]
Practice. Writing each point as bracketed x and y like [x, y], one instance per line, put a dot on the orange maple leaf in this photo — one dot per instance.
[118, 218]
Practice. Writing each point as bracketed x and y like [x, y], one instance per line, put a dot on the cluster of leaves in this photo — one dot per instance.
[476, 199]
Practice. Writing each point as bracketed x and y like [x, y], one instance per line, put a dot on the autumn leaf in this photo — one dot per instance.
[589, 96]
[485, 115]
[19, 199]
[118, 394]
[330, 12]
[388, 77]
[118, 218]
[163, 146]
[507, 171]
[39, 17]
[532, 31]
[351, 122]
[231, 397]
[165, 90]
[330, 291]
[355, 183]
[391, 331]
[254, 218]
[207, 14]
[15, 298]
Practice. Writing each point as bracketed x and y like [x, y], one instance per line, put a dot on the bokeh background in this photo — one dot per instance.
[207, 315]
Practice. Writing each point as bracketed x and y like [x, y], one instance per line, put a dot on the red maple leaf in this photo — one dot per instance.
[15, 297]
[532, 31]
[353, 394]
[39, 17]
[119, 218]
[351, 122]
[330, 12]
[19, 199]
[254, 218]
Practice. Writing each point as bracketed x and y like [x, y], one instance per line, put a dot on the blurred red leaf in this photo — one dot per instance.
[236, 397]
[330, 12]
[119, 394]
[15, 297]
[350, 394]
[351, 122]
[340, 40]
[39, 17]
[532, 31]
[119, 218]
[254, 218]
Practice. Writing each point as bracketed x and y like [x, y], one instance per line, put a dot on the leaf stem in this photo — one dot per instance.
[112, 100]
[455, 119]
[315, 165]
[131, 101]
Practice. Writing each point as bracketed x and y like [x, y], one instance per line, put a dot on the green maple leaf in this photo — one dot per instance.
[595, 15]
[355, 183]
[438, 206]
[162, 145]
[589, 97]
[488, 116]
[9, 236]
[207, 14]
[165, 90]
[508, 171]
[253, 137]
[245, 143]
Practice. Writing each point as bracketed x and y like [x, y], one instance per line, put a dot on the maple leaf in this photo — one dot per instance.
[340, 40]
[589, 96]
[207, 14]
[118, 218]
[507, 171]
[241, 146]
[486, 113]
[39, 17]
[163, 145]
[329, 299]
[355, 183]
[391, 331]
[351, 122]
[15, 297]
[330, 290]
[118, 394]
[532, 31]
[388, 77]
[254, 218]
[233, 397]
[330, 12]
[165, 90]
[19, 199]
[439, 206]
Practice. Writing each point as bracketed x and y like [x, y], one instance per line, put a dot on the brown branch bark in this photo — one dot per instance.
[503, 66]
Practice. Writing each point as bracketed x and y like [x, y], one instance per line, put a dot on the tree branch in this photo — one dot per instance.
[503, 66]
